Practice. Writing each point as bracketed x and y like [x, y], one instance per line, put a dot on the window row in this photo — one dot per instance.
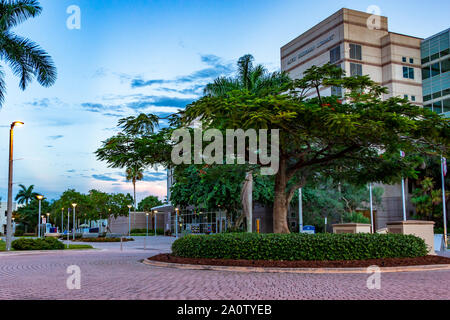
[436, 69]
[411, 60]
[436, 95]
[439, 106]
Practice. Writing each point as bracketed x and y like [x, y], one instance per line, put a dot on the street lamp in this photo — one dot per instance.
[74, 205]
[156, 211]
[10, 183]
[39, 197]
[146, 236]
[129, 219]
[176, 223]
[62, 220]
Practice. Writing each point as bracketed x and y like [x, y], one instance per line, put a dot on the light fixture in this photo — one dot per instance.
[17, 124]
[74, 205]
[40, 197]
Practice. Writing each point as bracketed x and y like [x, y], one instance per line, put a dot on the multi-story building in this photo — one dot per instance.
[435, 52]
[3, 215]
[348, 39]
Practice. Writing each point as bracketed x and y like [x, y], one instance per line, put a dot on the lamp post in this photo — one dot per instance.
[39, 197]
[10, 183]
[48, 221]
[62, 220]
[146, 236]
[156, 211]
[13, 225]
[176, 223]
[74, 205]
[129, 219]
[68, 226]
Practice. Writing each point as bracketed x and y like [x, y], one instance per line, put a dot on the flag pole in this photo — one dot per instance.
[444, 211]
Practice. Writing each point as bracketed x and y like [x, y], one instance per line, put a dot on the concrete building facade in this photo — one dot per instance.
[349, 39]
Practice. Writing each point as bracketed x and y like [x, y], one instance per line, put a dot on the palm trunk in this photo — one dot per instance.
[280, 206]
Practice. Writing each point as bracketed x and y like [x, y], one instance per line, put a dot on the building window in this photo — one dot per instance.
[427, 97]
[408, 73]
[435, 70]
[336, 91]
[437, 94]
[355, 52]
[405, 96]
[335, 54]
[429, 107]
[413, 98]
[446, 105]
[355, 69]
[426, 72]
[403, 59]
[445, 65]
[437, 107]
[411, 60]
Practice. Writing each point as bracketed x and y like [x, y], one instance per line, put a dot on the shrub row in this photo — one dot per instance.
[159, 231]
[37, 244]
[291, 247]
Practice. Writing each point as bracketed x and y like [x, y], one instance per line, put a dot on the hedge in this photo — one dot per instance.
[37, 244]
[291, 247]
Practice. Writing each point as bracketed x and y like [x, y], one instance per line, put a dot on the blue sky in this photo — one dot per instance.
[148, 56]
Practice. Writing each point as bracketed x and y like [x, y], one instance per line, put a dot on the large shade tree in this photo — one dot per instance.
[26, 58]
[358, 139]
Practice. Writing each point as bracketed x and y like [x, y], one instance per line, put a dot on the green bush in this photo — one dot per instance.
[37, 244]
[18, 233]
[326, 246]
[159, 231]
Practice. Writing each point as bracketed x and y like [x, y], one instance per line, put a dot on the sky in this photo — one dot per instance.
[147, 56]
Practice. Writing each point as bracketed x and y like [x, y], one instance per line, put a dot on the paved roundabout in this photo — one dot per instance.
[109, 273]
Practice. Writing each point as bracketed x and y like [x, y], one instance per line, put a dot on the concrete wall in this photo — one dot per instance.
[138, 221]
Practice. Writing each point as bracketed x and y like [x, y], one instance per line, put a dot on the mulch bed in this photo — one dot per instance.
[388, 262]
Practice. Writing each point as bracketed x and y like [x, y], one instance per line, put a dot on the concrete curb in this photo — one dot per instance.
[294, 270]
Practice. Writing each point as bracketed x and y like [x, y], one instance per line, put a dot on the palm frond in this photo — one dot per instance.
[27, 59]
[13, 13]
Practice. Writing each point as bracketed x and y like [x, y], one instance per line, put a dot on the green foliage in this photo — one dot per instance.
[428, 201]
[18, 233]
[28, 215]
[25, 57]
[355, 217]
[148, 203]
[37, 244]
[251, 246]
[25, 195]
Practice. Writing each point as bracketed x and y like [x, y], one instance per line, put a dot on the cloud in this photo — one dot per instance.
[155, 176]
[55, 137]
[45, 102]
[71, 171]
[216, 68]
[103, 177]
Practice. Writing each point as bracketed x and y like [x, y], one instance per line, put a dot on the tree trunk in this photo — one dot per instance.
[280, 205]
[247, 200]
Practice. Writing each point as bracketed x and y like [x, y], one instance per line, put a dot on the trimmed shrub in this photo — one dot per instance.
[292, 247]
[37, 244]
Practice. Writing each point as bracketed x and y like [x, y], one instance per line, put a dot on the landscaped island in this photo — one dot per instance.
[301, 250]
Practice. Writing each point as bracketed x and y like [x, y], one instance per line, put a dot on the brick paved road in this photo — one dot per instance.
[114, 274]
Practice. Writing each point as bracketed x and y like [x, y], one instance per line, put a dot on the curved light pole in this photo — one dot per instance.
[74, 205]
[39, 197]
[129, 219]
[10, 183]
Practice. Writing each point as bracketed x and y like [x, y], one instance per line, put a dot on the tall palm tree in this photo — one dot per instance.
[25, 195]
[134, 174]
[26, 58]
[255, 79]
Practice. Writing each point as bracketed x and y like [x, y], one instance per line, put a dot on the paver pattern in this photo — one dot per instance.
[110, 273]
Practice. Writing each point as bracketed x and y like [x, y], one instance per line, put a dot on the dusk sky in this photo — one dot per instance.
[148, 56]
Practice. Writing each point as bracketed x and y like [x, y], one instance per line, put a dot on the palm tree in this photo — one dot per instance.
[26, 58]
[25, 195]
[255, 79]
[134, 174]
